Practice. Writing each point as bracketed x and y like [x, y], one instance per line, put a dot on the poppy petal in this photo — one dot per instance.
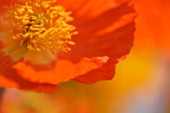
[105, 72]
[109, 34]
[10, 79]
[62, 71]
[86, 8]
[3, 5]
[114, 41]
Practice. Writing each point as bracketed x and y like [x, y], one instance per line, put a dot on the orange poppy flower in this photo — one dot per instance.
[43, 44]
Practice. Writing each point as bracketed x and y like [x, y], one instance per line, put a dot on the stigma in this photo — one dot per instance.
[36, 31]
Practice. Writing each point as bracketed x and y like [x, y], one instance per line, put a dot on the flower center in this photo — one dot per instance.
[38, 28]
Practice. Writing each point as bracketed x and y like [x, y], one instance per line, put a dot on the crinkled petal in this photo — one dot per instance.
[105, 72]
[7, 81]
[86, 9]
[10, 79]
[62, 70]
[109, 34]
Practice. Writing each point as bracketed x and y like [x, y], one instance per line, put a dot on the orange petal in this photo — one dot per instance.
[3, 5]
[62, 71]
[86, 8]
[105, 72]
[110, 34]
[7, 81]
[10, 79]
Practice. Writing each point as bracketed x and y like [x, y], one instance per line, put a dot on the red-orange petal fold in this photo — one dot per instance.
[62, 70]
[110, 34]
[105, 72]
[9, 78]
[84, 10]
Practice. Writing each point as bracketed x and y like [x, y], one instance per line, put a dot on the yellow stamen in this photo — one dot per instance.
[40, 26]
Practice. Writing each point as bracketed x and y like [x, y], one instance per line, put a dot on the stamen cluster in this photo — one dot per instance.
[40, 26]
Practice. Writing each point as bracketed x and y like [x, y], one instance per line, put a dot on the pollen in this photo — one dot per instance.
[38, 28]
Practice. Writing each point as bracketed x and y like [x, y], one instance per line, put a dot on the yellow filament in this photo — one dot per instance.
[40, 26]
